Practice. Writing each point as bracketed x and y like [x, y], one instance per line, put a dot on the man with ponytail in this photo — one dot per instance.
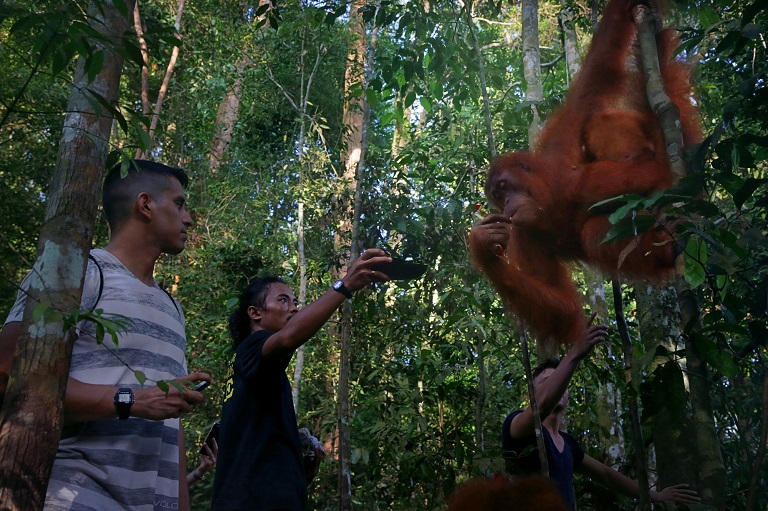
[260, 464]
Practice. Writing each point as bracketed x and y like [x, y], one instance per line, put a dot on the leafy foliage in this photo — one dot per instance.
[436, 364]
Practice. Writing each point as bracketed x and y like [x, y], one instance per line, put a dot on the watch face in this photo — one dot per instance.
[124, 398]
[337, 285]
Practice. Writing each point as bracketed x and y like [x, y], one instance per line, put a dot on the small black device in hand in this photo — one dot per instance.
[213, 433]
[200, 386]
[401, 269]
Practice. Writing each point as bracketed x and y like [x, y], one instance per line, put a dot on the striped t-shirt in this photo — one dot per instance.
[121, 464]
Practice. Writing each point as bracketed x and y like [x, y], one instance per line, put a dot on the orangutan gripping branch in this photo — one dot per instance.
[604, 141]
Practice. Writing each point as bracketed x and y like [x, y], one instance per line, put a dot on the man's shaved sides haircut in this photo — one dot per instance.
[119, 192]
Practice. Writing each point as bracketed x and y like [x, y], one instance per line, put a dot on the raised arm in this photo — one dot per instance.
[550, 391]
[311, 318]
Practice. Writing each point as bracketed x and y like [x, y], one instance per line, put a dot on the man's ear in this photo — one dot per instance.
[254, 313]
[143, 206]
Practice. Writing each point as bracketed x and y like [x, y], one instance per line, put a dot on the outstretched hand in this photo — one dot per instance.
[593, 335]
[676, 494]
[360, 274]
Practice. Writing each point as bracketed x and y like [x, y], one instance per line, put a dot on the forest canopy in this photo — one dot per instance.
[314, 130]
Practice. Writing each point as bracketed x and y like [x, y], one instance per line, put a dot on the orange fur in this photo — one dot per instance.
[604, 141]
[501, 494]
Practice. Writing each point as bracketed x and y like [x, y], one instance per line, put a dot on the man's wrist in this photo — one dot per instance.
[124, 399]
[339, 287]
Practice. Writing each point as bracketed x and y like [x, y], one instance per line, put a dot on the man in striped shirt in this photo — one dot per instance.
[122, 447]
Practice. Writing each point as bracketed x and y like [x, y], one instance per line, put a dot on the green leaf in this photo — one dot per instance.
[708, 15]
[141, 377]
[40, 310]
[695, 258]
[409, 99]
[121, 7]
[178, 386]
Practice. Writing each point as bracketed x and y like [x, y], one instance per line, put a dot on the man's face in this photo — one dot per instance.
[541, 379]
[170, 218]
[280, 306]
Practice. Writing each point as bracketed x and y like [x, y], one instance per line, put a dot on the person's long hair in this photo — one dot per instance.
[254, 294]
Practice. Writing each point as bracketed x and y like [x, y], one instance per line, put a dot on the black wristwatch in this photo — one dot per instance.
[123, 402]
[341, 288]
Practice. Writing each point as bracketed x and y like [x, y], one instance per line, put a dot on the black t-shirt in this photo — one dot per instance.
[260, 466]
[522, 458]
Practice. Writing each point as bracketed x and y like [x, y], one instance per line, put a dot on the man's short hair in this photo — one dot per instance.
[120, 191]
[550, 363]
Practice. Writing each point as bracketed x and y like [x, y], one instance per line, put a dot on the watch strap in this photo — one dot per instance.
[341, 288]
[122, 407]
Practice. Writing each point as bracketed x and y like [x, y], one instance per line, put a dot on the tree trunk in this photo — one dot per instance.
[570, 44]
[712, 471]
[671, 426]
[609, 403]
[353, 121]
[532, 65]
[30, 421]
[144, 152]
[226, 117]
[168, 73]
[145, 68]
[481, 391]
[634, 413]
[298, 366]
[711, 467]
[481, 78]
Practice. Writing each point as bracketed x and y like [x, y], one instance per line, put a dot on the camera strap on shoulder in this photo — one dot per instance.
[101, 286]
[101, 279]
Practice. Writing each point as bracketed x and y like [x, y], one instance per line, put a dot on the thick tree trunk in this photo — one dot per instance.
[675, 451]
[712, 471]
[30, 420]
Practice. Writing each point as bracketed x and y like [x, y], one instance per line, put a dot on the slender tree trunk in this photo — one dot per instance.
[609, 403]
[30, 420]
[354, 123]
[226, 116]
[634, 413]
[712, 471]
[757, 464]
[481, 391]
[298, 367]
[145, 106]
[301, 109]
[480, 61]
[570, 43]
[229, 108]
[168, 73]
[532, 66]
